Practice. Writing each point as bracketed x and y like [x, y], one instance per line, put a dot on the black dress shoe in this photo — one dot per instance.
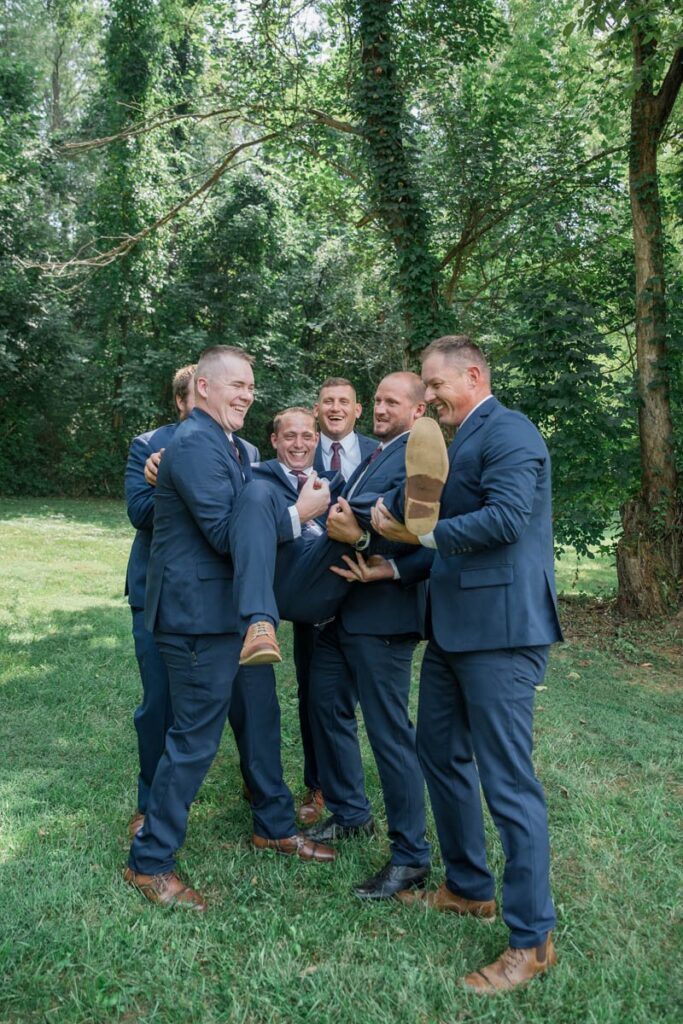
[391, 879]
[329, 830]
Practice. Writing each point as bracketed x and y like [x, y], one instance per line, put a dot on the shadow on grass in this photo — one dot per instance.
[104, 513]
[70, 763]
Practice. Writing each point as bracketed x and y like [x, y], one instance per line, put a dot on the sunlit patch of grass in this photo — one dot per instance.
[285, 941]
[582, 575]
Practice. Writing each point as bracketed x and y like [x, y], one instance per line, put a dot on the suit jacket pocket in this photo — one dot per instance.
[491, 576]
[214, 571]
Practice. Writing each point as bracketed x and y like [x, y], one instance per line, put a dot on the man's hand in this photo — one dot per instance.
[342, 525]
[152, 467]
[314, 498]
[384, 523]
[376, 568]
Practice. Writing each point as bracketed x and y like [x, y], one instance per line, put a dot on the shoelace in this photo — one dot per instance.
[260, 629]
[510, 959]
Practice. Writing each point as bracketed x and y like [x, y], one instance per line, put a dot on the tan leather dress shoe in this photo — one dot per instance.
[260, 646]
[297, 845]
[512, 968]
[443, 899]
[426, 473]
[166, 889]
[312, 807]
[135, 824]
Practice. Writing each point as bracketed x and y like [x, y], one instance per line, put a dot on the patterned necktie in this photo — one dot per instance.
[378, 450]
[301, 479]
[311, 528]
[335, 464]
[236, 450]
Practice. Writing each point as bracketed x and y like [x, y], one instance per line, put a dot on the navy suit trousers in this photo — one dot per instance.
[254, 717]
[374, 671]
[291, 580]
[305, 637]
[154, 715]
[475, 725]
[201, 671]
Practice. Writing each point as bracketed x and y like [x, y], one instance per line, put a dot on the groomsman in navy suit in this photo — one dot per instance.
[189, 608]
[365, 656]
[153, 716]
[340, 449]
[493, 617]
[294, 438]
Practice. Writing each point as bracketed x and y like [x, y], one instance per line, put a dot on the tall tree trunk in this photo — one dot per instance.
[650, 552]
[397, 201]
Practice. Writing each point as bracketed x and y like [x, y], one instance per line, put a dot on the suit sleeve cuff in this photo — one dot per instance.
[296, 522]
[392, 563]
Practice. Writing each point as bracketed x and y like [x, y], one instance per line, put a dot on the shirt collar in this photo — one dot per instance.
[474, 409]
[287, 471]
[384, 445]
[345, 442]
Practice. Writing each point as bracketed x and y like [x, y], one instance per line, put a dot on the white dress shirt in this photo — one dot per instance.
[349, 452]
[311, 525]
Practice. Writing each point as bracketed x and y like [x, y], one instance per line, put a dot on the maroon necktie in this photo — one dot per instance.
[335, 463]
[376, 452]
[235, 450]
[301, 478]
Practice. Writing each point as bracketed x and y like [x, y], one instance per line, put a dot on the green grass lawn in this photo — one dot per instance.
[284, 941]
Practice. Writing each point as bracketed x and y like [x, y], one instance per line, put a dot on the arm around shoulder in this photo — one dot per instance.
[139, 494]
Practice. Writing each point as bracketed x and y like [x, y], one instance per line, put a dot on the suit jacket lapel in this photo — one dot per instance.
[473, 423]
[318, 464]
[368, 470]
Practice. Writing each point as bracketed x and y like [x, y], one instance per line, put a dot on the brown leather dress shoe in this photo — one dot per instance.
[166, 889]
[312, 807]
[135, 824]
[512, 968]
[260, 646]
[297, 845]
[426, 473]
[443, 899]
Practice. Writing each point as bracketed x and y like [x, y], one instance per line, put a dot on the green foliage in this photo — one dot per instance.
[436, 167]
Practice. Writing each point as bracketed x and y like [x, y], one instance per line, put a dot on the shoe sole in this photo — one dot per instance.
[262, 658]
[426, 473]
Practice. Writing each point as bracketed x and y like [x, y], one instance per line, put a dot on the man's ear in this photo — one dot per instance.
[474, 375]
[202, 386]
[359, 410]
[273, 440]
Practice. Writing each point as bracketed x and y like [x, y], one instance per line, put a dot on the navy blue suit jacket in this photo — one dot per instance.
[367, 446]
[140, 505]
[189, 577]
[492, 583]
[391, 607]
[271, 471]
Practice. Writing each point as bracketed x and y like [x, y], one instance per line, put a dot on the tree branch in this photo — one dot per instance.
[148, 125]
[105, 258]
[333, 122]
[666, 97]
